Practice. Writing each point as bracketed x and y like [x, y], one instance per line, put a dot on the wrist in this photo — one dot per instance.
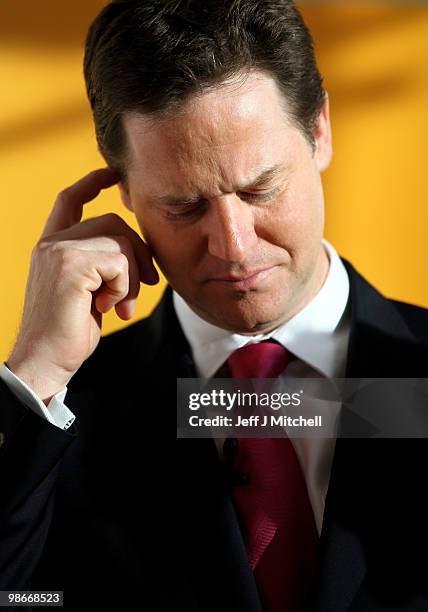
[44, 382]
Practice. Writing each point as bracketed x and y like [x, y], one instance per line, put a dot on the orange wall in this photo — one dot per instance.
[374, 59]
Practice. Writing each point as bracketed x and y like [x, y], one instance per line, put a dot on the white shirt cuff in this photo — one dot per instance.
[56, 412]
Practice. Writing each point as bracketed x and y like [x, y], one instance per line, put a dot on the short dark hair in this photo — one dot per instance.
[150, 56]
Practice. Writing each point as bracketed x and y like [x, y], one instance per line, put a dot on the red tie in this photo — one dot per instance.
[273, 504]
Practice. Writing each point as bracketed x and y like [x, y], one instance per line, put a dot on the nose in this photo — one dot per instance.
[229, 229]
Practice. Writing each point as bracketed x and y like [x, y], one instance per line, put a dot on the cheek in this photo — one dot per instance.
[309, 202]
[296, 216]
[172, 250]
[295, 224]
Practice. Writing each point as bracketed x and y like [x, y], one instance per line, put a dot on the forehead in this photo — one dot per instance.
[232, 129]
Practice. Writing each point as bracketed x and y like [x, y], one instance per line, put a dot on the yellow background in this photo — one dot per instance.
[374, 60]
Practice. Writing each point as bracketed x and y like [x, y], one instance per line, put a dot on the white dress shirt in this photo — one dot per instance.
[317, 335]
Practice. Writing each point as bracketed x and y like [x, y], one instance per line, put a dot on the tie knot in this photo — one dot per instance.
[261, 360]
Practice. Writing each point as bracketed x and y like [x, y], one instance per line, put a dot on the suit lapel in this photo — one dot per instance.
[211, 556]
[381, 345]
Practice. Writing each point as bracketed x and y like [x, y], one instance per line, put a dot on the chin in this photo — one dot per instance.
[246, 313]
[251, 323]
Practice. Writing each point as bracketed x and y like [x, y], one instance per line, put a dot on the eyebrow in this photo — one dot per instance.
[264, 177]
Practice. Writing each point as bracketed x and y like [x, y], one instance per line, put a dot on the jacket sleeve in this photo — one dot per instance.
[31, 450]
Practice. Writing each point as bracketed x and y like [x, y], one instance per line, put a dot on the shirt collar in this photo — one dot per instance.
[313, 334]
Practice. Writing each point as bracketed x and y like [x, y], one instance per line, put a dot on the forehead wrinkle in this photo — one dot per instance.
[221, 125]
[220, 128]
[204, 169]
[261, 179]
[214, 168]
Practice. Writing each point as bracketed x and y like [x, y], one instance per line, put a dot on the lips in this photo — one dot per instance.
[244, 281]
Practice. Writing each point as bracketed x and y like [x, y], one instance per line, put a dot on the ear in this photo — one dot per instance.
[322, 135]
[124, 194]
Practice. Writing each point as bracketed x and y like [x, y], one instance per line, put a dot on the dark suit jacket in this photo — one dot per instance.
[117, 512]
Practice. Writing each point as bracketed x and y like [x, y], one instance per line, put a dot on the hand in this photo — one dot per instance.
[78, 271]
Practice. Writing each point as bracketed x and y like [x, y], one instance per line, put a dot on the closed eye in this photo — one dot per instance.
[260, 196]
[187, 211]
[194, 208]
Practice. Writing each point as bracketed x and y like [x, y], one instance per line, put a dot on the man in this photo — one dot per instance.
[214, 123]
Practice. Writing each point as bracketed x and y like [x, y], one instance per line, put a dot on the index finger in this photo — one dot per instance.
[68, 207]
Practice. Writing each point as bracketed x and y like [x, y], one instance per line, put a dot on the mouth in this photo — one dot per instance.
[246, 281]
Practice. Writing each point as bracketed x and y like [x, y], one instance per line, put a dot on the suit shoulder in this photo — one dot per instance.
[123, 336]
[416, 317]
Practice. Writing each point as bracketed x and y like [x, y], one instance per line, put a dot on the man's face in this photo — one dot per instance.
[228, 195]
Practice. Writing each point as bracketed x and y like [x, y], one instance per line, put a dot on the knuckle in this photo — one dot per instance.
[120, 289]
[122, 261]
[58, 246]
[123, 242]
[63, 195]
[114, 219]
[68, 258]
[42, 245]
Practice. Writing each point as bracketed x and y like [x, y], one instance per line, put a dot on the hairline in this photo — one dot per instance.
[175, 110]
